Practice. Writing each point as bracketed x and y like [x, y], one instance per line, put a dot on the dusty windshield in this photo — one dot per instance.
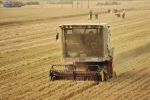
[81, 42]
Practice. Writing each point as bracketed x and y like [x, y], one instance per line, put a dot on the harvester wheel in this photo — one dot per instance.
[106, 76]
[102, 76]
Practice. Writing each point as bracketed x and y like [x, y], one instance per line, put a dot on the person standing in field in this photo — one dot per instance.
[96, 15]
[109, 11]
[90, 14]
[123, 13]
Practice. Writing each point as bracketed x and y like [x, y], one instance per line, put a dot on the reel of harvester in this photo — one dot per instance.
[70, 73]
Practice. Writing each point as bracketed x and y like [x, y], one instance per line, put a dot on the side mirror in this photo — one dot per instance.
[57, 36]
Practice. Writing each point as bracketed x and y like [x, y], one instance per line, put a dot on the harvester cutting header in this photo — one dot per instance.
[88, 47]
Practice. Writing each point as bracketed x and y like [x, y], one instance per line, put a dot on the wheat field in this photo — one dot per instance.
[28, 48]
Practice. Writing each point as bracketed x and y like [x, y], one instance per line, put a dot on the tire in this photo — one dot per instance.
[102, 76]
[106, 76]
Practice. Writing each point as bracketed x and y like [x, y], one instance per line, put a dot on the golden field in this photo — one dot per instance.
[28, 48]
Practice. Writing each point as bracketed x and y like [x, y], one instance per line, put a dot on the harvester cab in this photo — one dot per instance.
[88, 47]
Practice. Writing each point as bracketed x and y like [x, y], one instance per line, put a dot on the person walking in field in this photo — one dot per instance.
[96, 15]
[90, 14]
[123, 13]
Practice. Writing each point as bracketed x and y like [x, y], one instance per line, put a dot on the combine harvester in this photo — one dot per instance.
[88, 47]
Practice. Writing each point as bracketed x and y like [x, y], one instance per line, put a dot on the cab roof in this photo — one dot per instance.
[84, 24]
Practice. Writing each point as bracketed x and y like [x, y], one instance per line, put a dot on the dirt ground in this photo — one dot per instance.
[28, 48]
